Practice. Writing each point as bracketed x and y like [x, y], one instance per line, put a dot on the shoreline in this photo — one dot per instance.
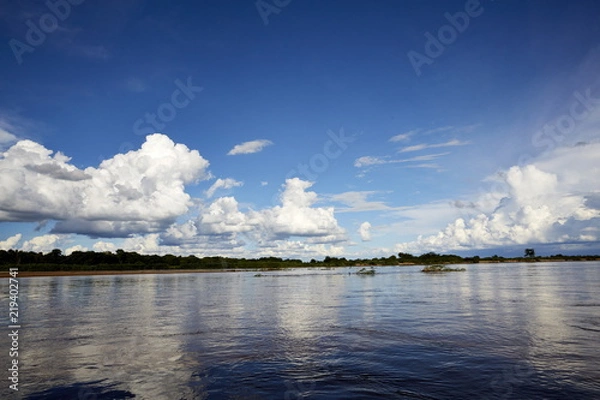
[34, 274]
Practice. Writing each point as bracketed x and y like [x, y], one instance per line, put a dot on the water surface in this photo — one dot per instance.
[522, 331]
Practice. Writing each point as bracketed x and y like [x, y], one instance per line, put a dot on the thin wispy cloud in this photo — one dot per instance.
[424, 165]
[358, 201]
[6, 137]
[426, 157]
[438, 130]
[366, 161]
[423, 146]
[253, 146]
[402, 137]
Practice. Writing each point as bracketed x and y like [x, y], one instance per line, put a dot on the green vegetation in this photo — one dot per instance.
[132, 261]
[440, 268]
[529, 253]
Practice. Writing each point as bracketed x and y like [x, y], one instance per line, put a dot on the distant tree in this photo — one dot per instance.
[529, 253]
[54, 256]
[406, 257]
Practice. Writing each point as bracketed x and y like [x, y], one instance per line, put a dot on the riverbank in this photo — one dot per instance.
[31, 274]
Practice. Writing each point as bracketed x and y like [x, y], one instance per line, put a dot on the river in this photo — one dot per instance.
[494, 331]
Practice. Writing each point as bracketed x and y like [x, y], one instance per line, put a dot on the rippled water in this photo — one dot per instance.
[495, 331]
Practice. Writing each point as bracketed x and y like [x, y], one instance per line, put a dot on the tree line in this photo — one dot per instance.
[55, 260]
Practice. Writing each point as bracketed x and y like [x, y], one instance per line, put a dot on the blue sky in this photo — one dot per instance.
[299, 128]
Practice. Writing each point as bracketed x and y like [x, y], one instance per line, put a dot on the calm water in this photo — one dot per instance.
[524, 331]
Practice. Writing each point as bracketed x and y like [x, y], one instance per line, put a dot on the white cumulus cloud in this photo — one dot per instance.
[11, 242]
[102, 246]
[222, 224]
[139, 191]
[77, 247]
[296, 216]
[365, 231]
[554, 200]
[43, 244]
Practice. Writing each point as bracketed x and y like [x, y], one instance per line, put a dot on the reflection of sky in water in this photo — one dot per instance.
[512, 331]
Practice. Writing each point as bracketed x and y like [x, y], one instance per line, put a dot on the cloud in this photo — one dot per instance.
[223, 217]
[206, 246]
[296, 216]
[438, 130]
[136, 192]
[425, 165]
[464, 204]
[449, 128]
[11, 242]
[403, 136]
[365, 231]
[13, 127]
[77, 247]
[146, 244]
[103, 246]
[57, 171]
[366, 161]
[226, 183]
[357, 201]
[547, 202]
[223, 225]
[423, 146]
[298, 249]
[253, 146]
[6, 137]
[43, 244]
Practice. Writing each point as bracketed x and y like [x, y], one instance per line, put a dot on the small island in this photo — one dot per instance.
[365, 271]
[440, 268]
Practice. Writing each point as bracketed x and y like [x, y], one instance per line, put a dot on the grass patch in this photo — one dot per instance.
[440, 268]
